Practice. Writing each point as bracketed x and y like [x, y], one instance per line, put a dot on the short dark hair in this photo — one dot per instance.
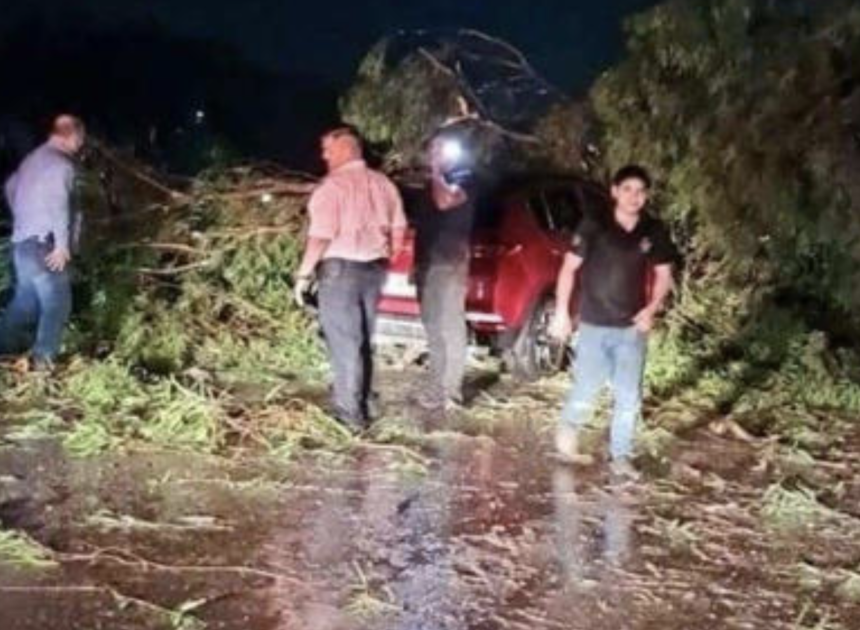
[631, 171]
[342, 131]
[67, 125]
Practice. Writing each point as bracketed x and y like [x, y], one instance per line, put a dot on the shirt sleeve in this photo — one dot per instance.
[663, 250]
[323, 210]
[58, 191]
[10, 188]
[583, 238]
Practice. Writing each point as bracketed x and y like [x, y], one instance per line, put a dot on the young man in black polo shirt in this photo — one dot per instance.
[613, 255]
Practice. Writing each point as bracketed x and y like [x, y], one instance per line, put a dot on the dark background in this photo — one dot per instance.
[190, 82]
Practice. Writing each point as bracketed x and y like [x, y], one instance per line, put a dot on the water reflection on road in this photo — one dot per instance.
[493, 535]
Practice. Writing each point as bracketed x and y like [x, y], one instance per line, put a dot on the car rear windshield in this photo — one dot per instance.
[556, 209]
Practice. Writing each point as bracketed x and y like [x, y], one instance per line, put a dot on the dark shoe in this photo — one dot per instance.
[350, 424]
[354, 422]
[373, 408]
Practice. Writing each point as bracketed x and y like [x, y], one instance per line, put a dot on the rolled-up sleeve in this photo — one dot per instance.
[323, 209]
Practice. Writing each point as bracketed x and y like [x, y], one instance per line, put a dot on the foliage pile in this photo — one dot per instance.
[746, 111]
[185, 333]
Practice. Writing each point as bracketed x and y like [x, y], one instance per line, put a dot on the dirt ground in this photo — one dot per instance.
[465, 522]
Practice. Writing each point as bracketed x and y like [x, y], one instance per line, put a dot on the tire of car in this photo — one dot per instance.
[533, 353]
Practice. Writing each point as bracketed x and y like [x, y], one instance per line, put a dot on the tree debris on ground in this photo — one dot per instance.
[184, 332]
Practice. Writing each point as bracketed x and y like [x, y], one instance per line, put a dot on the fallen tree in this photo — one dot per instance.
[184, 332]
[412, 84]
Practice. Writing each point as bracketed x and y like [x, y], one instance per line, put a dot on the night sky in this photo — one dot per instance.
[268, 73]
[568, 40]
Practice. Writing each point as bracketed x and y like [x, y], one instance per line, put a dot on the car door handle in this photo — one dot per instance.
[513, 251]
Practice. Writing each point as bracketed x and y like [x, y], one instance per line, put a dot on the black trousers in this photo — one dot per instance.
[348, 296]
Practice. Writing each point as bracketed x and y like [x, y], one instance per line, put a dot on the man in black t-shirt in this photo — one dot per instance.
[445, 216]
[624, 260]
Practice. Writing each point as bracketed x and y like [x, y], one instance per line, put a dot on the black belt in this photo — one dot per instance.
[376, 262]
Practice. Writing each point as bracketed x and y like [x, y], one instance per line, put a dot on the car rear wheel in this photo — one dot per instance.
[534, 353]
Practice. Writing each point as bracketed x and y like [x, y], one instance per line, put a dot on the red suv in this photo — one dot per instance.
[522, 232]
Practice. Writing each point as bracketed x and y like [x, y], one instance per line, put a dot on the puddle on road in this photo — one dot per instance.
[494, 535]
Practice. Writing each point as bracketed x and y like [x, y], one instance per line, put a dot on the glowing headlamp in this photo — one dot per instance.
[452, 151]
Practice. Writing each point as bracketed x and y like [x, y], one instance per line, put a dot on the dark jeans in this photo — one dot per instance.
[442, 294]
[348, 296]
[41, 304]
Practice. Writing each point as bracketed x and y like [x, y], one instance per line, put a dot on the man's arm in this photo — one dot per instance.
[315, 249]
[661, 288]
[398, 240]
[448, 197]
[564, 287]
[663, 285]
[58, 192]
[662, 257]
[324, 224]
[397, 220]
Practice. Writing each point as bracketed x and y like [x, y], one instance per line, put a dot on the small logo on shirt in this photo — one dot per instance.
[645, 245]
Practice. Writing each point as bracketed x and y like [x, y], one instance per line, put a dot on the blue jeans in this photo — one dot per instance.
[41, 304]
[613, 356]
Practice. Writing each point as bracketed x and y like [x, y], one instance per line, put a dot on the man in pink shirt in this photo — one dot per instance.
[356, 223]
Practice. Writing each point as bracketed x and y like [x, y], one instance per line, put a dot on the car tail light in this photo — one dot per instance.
[494, 250]
[399, 285]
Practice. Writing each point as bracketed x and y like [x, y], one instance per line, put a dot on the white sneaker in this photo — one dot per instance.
[567, 446]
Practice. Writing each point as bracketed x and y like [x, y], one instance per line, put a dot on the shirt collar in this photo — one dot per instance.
[350, 166]
[640, 224]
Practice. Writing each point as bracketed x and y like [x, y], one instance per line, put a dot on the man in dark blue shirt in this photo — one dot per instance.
[616, 256]
[43, 230]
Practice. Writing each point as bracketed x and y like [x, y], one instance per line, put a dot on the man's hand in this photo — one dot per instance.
[560, 327]
[58, 259]
[644, 319]
[303, 286]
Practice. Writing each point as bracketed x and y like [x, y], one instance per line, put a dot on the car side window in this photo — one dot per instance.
[592, 203]
[560, 207]
[537, 206]
[563, 210]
